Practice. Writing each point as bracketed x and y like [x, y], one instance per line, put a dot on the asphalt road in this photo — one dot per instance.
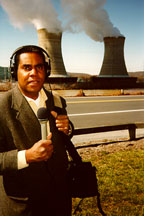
[110, 110]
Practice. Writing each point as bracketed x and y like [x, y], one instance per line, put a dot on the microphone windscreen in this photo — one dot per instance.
[42, 114]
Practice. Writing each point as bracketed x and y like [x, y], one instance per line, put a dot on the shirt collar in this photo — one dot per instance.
[36, 101]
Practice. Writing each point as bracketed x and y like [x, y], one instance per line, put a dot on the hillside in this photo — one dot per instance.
[138, 74]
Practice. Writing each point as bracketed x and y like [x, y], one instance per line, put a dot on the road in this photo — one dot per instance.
[109, 110]
[98, 111]
[105, 110]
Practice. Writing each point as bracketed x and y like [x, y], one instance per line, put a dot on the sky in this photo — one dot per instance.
[82, 22]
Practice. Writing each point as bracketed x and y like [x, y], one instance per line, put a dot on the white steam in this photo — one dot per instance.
[78, 15]
[41, 13]
[89, 16]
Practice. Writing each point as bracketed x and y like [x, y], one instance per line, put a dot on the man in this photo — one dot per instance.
[32, 170]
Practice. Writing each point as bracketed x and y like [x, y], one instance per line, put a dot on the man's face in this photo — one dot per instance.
[30, 74]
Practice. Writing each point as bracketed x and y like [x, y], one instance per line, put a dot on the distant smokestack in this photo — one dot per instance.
[51, 42]
[114, 63]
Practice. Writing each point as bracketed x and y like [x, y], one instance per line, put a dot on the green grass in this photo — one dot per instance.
[121, 185]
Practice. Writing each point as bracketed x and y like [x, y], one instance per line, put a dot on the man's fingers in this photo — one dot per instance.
[54, 114]
[62, 122]
[49, 136]
[62, 117]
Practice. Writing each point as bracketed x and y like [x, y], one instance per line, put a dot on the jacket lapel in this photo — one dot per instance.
[26, 116]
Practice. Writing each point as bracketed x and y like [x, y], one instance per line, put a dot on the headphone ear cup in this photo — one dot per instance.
[13, 71]
[48, 69]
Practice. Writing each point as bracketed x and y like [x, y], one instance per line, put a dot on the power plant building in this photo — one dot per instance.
[51, 42]
[113, 62]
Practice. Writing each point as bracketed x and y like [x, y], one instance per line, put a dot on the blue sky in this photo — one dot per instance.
[80, 52]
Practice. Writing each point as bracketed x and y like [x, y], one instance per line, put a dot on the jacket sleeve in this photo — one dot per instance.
[8, 159]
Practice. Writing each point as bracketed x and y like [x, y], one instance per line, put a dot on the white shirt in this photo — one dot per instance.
[21, 154]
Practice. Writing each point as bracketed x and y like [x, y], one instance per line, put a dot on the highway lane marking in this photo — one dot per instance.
[103, 101]
[109, 112]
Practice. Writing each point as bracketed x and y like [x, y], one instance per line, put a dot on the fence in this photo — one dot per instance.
[130, 127]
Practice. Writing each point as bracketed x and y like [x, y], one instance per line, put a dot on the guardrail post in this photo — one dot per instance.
[132, 133]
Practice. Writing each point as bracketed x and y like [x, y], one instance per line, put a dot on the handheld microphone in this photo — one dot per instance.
[42, 115]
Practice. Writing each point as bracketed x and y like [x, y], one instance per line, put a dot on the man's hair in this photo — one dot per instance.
[29, 50]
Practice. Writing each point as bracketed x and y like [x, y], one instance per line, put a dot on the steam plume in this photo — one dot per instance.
[41, 13]
[79, 15]
[89, 16]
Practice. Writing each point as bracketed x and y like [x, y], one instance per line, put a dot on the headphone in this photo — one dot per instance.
[29, 48]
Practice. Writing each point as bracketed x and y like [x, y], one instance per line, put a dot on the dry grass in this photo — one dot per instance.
[120, 173]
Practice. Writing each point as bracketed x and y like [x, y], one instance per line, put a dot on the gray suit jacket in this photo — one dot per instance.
[20, 129]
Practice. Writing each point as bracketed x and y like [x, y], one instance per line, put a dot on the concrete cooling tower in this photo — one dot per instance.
[51, 42]
[113, 62]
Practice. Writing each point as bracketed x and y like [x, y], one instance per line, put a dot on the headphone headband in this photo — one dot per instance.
[28, 48]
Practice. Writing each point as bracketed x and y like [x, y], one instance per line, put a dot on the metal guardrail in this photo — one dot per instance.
[130, 127]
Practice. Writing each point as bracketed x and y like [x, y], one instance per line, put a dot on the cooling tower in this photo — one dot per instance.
[51, 42]
[113, 62]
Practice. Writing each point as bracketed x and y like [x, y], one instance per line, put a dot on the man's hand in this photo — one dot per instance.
[62, 122]
[40, 151]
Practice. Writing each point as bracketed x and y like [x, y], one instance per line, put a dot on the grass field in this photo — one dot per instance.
[121, 181]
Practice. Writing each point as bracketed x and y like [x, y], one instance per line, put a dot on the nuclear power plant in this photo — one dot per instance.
[51, 42]
[113, 73]
[113, 62]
